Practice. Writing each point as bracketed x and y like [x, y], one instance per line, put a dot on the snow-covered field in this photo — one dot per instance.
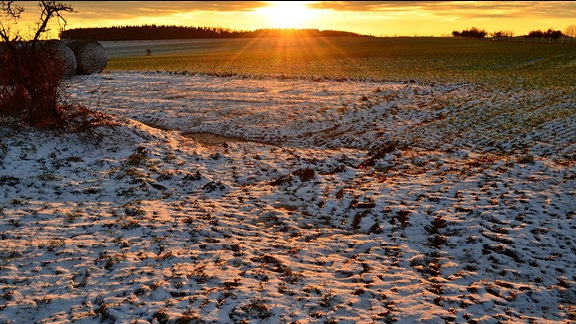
[317, 201]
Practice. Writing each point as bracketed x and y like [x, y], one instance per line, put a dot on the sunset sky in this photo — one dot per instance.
[378, 18]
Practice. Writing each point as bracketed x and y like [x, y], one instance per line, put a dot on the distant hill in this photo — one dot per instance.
[153, 32]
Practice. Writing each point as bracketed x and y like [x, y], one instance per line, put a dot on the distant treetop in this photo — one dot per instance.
[154, 32]
[472, 32]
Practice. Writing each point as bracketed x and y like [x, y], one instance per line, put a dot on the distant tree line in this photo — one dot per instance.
[549, 36]
[471, 33]
[154, 32]
[502, 35]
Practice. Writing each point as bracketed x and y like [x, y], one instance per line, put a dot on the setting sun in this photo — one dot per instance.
[287, 14]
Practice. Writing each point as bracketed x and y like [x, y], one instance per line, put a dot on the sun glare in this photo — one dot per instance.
[287, 14]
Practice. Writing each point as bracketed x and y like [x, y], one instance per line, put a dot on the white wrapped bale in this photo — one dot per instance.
[58, 50]
[91, 56]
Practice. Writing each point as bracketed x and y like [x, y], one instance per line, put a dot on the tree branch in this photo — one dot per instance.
[11, 11]
[49, 10]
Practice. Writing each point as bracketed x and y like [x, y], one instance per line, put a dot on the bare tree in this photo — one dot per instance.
[535, 34]
[497, 35]
[29, 75]
[570, 31]
[9, 11]
[553, 36]
[51, 9]
[503, 35]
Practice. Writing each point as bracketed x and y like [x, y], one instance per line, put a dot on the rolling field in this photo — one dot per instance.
[345, 180]
[391, 59]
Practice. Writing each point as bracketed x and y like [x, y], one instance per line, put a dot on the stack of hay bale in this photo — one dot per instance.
[79, 57]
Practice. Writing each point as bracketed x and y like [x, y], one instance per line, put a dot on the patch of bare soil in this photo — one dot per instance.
[210, 139]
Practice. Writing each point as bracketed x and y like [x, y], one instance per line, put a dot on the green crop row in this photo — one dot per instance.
[505, 64]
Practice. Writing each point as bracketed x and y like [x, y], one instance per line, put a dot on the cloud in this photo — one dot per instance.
[129, 9]
[365, 17]
[365, 5]
[118, 10]
[460, 9]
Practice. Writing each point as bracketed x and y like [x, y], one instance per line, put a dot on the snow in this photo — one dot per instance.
[292, 200]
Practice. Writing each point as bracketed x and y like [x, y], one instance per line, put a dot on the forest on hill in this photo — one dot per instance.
[154, 32]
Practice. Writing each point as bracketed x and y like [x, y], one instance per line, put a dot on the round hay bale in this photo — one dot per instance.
[90, 56]
[61, 52]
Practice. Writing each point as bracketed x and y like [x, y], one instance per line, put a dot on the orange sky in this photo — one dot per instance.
[378, 18]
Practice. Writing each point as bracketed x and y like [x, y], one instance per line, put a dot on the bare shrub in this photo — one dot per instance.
[31, 71]
[29, 84]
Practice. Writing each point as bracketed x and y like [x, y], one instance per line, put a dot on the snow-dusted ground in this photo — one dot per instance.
[346, 201]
